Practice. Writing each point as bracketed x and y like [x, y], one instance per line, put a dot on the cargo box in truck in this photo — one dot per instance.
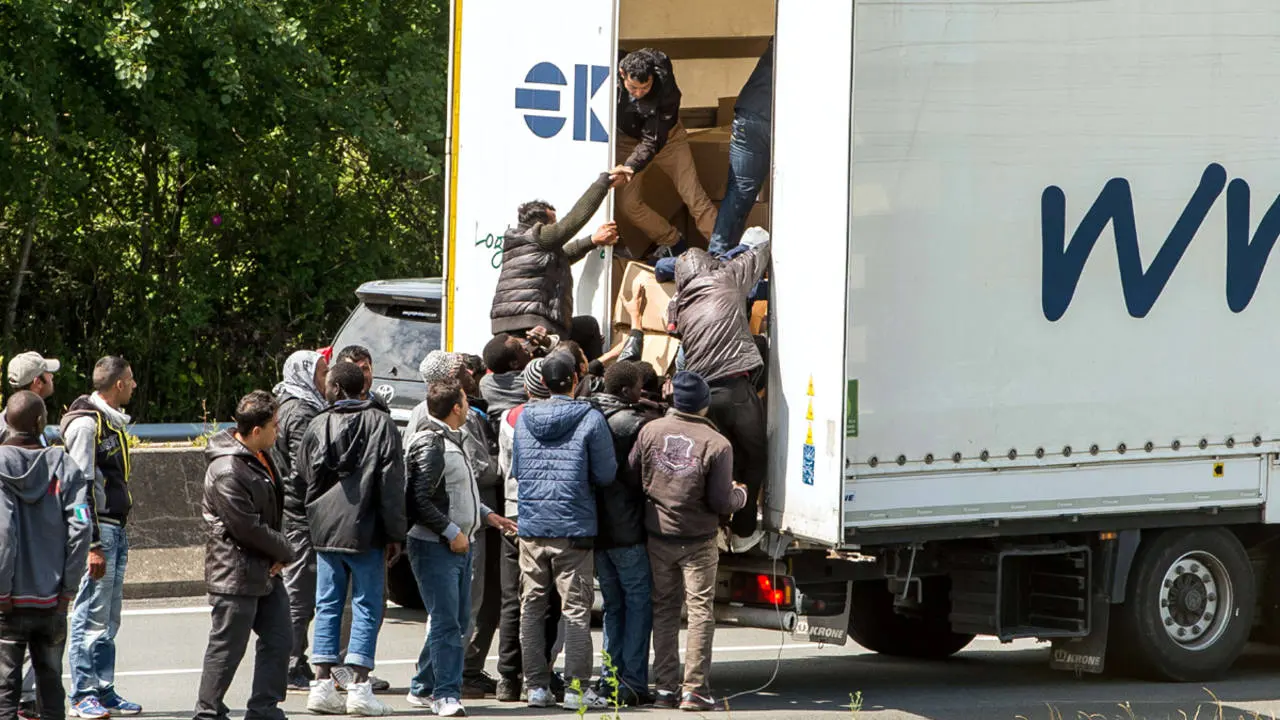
[1020, 315]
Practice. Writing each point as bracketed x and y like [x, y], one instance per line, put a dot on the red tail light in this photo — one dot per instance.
[760, 589]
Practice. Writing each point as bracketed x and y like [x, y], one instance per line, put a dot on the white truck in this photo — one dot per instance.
[1019, 380]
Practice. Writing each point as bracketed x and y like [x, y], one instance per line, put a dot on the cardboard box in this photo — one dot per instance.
[657, 297]
[724, 111]
[659, 349]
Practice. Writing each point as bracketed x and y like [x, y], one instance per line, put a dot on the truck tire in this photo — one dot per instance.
[876, 626]
[1189, 608]
[402, 586]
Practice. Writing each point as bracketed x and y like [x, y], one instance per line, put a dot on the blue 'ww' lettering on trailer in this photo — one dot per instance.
[1062, 262]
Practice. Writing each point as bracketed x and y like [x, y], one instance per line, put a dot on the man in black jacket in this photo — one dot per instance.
[622, 562]
[301, 397]
[353, 469]
[535, 285]
[649, 132]
[246, 550]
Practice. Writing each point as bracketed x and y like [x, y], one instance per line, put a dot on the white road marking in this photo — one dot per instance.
[192, 610]
[491, 658]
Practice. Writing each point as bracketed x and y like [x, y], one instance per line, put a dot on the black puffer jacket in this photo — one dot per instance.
[535, 286]
[243, 509]
[621, 505]
[292, 421]
[352, 468]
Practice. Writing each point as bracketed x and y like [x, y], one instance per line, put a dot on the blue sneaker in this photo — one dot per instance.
[90, 709]
[117, 705]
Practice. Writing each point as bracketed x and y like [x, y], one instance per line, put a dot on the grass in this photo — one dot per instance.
[1214, 710]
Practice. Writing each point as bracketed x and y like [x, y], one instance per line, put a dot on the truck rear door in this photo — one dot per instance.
[530, 117]
[807, 393]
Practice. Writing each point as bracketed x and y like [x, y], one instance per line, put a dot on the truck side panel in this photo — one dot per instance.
[1062, 217]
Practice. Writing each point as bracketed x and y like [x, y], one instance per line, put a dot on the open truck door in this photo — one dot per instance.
[530, 117]
[808, 396]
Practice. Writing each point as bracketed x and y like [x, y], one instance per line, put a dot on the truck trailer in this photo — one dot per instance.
[1018, 328]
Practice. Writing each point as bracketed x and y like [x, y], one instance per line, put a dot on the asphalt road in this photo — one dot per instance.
[162, 642]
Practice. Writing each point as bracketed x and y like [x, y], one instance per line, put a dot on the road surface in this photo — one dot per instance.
[162, 642]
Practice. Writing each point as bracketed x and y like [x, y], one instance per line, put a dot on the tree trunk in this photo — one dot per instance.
[28, 239]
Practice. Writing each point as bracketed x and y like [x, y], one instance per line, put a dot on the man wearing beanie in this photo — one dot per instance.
[563, 451]
[686, 469]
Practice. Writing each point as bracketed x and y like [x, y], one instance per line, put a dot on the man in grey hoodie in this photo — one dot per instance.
[443, 503]
[45, 497]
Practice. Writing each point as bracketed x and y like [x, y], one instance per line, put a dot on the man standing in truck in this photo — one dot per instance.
[649, 132]
[715, 330]
[748, 154]
[535, 285]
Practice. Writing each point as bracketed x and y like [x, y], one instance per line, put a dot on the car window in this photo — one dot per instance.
[398, 337]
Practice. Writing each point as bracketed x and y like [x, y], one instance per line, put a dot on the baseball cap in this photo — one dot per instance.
[25, 368]
[558, 370]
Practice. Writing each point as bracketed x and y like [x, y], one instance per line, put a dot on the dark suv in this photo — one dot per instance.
[400, 322]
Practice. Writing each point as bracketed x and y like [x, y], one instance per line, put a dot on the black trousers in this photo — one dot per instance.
[44, 633]
[510, 662]
[486, 590]
[739, 414]
[234, 617]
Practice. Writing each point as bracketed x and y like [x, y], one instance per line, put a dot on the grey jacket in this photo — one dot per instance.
[483, 465]
[443, 499]
[45, 528]
[711, 312]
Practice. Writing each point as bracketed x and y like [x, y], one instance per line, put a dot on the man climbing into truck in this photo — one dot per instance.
[715, 330]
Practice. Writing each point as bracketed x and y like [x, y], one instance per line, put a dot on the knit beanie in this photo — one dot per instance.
[439, 366]
[533, 384]
[691, 393]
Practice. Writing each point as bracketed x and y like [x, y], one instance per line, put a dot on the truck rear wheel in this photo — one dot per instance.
[877, 626]
[402, 586]
[1189, 608]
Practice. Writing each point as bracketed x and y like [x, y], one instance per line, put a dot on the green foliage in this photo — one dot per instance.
[203, 183]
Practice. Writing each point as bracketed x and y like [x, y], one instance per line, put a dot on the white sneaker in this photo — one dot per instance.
[419, 702]
[448, 707]
[743, 544]
[362, 703]
[589, 700]
[323, 699]
[542, 698]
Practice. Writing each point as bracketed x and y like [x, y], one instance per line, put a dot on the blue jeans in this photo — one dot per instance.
[95, 620]
[366, 574]
[444, 579]
[748, 168]
[625, 588]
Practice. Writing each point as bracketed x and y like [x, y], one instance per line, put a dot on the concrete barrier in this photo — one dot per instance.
[166, 531]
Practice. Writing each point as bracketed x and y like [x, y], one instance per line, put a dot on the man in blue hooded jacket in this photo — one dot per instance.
[563, 451]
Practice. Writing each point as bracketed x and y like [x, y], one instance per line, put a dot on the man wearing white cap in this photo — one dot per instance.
[30, 371]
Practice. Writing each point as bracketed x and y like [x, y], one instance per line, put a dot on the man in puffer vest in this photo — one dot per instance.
[45, 535]
[535, 285]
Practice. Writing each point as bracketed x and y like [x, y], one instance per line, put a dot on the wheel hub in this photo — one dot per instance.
[1195, 600]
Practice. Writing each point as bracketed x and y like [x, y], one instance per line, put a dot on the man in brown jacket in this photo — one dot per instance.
[686, 469]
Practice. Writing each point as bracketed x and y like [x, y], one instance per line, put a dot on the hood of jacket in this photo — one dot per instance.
[555, 419]
[694, 263]
[224, 444]
[338, 449]
[28, 472]
[503, 391]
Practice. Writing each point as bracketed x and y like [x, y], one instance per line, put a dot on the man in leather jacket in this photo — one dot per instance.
[246, 550]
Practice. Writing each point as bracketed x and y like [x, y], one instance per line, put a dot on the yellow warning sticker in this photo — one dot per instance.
[1218, 470]
[808, 437]
[809, 415]
[810, 386]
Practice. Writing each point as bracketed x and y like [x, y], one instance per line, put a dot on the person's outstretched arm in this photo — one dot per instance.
[558, 233]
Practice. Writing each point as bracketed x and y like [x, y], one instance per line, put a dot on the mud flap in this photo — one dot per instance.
[1085, 654]
[825, 629]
